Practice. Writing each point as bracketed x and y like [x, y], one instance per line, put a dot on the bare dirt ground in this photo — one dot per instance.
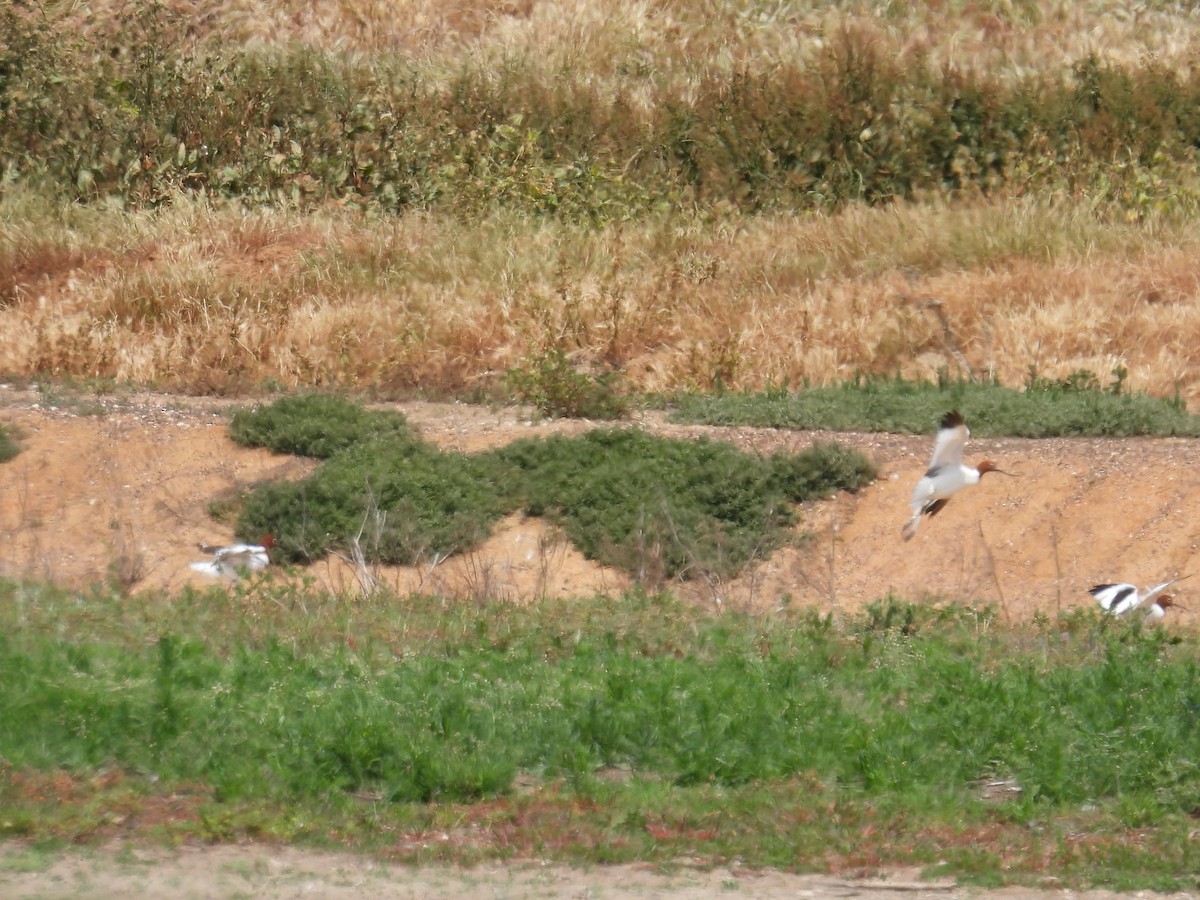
[273, 873]
[119, 487]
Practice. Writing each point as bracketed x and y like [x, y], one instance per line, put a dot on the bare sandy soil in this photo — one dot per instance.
[273, 873]
[119, 487]
[265, 872]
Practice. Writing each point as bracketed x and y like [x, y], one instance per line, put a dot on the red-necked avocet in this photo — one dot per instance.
[1119, 599]
[236, 559]
[947, 474]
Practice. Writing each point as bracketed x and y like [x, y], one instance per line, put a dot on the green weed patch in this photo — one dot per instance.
[654, 507]
[787, 737]
[674, 507]
[1075, 407]
[316, 425]
[402, 501]
[9, 445]
[88, 120]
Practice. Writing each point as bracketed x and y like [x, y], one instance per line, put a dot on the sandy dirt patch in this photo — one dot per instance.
[120, 488]
[276, 873]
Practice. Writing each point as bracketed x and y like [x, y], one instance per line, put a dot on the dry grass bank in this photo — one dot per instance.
[620, 39]
[219, 299]
[209, 297]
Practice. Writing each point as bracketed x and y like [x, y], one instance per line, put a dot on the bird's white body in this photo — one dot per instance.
[236, 559]
[1122, 598]
[941, 483]
[947, 473]
[1157, 611]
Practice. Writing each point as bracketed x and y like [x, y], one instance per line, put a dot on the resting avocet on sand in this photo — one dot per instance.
[236, 559]
[947, 474]
[1119, 599]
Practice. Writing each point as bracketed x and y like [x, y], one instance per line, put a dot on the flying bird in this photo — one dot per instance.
[236, 559]
[947, 474]
[1119, 599]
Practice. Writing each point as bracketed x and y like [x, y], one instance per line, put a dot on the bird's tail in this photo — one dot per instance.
[911, 526]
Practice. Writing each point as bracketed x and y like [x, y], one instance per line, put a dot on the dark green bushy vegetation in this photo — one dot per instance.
[148, 117]
[636, 501]
[408, 501]
[656, 507]
[316, 425]
[1076, 406]
[9, 447]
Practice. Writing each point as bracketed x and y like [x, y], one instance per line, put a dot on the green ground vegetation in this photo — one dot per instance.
[88, 119]
[677, 507]
[783, 739]
[10, 446]
[316, 425]
[656, 507]
[1077, 406]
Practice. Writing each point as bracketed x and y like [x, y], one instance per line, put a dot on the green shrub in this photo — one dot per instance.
[316, 425]
[822, 469]
[406, 499]
[1076, 406]
[663, 508]
[656, 507]
[9, 447]
[556, 388]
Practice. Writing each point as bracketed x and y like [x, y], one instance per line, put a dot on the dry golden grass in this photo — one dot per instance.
[221, 299]
[674, 39]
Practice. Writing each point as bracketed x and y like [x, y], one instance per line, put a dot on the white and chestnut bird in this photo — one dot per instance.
[1159, 607]
[236, 559]
[1119, 599]
[947, 473]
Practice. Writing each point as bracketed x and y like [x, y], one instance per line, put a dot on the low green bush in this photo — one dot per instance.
[655, 507]
[668, 508]
[407, 501]
[1078, 406]
[9, 446]
[823, 469]
[316, 425]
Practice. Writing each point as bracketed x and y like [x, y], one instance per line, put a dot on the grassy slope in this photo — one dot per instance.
[782, 740]
[430, 305]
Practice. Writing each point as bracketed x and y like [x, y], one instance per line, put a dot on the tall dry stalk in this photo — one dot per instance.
[1057, 571]
[373, 522]
[823, 580]
[995, 575]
